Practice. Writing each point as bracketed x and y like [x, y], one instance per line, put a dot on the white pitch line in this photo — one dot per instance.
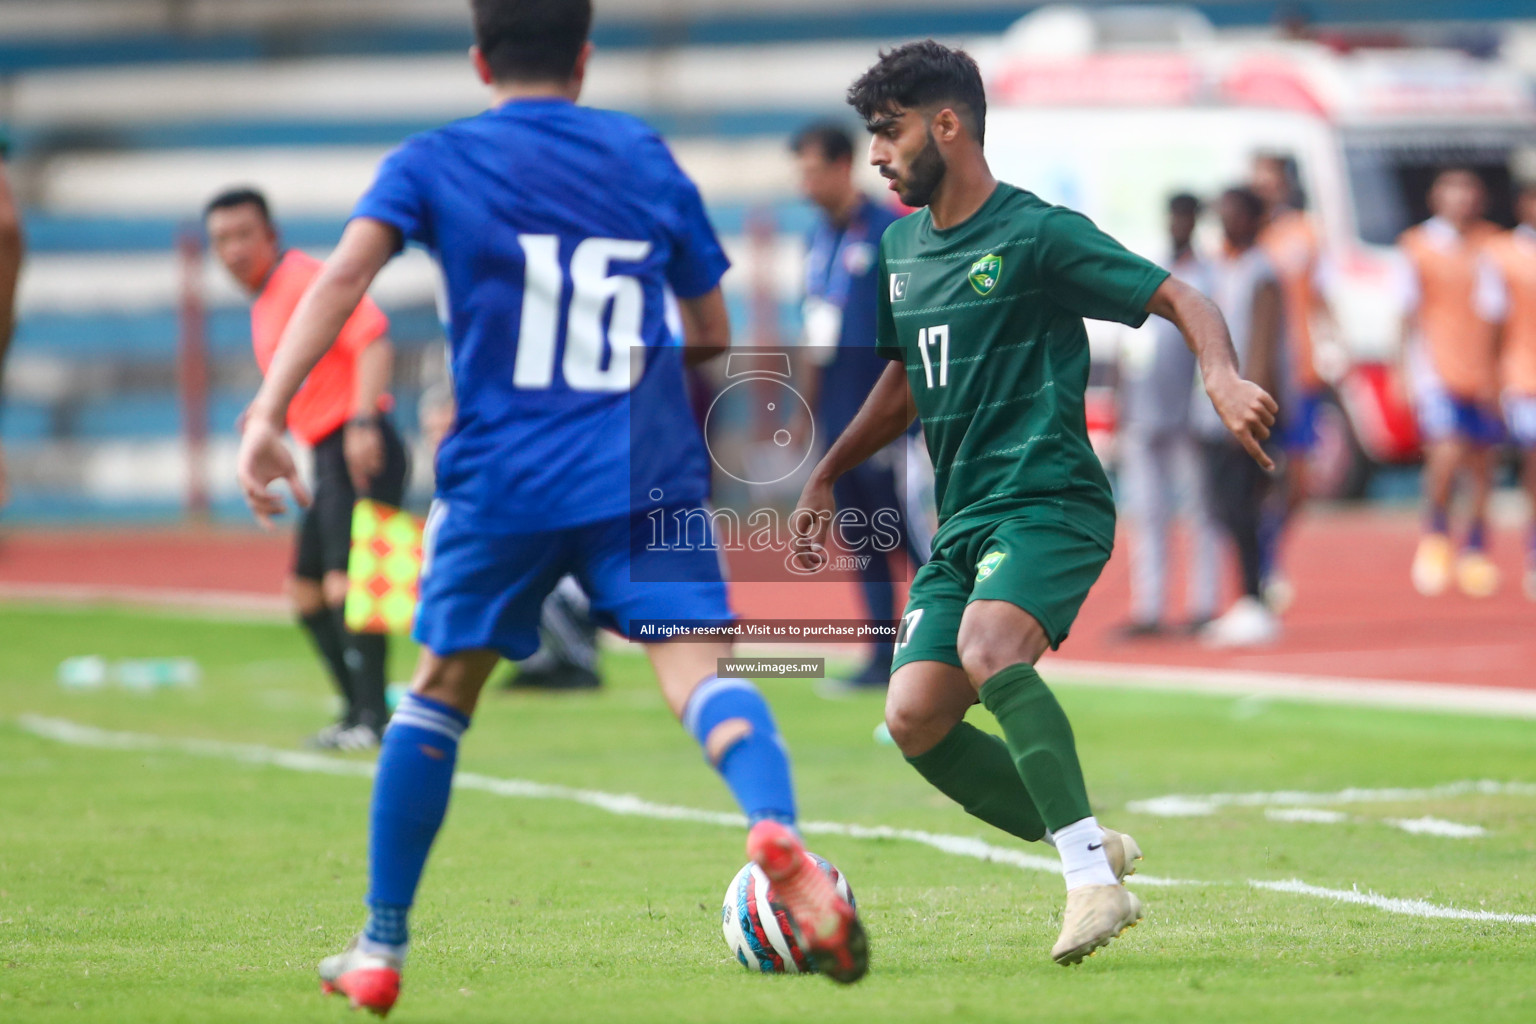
[1428, 826]
[1308, 815]
[1425, 826]
[217, 605]
[1412, 908]
[77, 734]
[1180, 805]
[1402, 695]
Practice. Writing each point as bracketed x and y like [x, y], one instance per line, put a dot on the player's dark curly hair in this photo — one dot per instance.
[242, 195]
[920, 74]
[531, 40]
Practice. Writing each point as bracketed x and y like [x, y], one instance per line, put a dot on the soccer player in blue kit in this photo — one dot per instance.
[560, 230]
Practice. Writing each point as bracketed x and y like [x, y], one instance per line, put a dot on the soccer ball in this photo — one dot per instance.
[756, 925]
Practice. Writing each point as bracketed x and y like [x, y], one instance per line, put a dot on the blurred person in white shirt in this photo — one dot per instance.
[1159, 459]
[1247, 290]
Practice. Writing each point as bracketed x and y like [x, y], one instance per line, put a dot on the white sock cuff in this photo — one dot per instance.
[422, 714]
[1083, 860]
[368, 946]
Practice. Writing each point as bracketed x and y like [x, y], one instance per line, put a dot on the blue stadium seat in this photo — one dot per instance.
[129, 417]
[22, 421]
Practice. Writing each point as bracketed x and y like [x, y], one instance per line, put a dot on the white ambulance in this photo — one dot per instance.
[1113, 109]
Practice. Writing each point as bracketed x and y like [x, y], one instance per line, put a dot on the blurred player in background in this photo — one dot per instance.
[11, 247]
[567, 658]
[342, 414]
[559, 230]
[1452, 298]
[982, 301]
[842, 281]
[1160, 462]
[1515, 255]
[1290, 240]
[1246, 288]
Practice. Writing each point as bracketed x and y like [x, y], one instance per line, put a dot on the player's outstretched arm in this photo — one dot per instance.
[365, 247]
[1247, 409]
[706, 326]
[884, 416]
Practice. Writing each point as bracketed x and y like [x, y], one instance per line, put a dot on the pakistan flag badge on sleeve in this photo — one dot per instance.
[985, 272]
[988, 564]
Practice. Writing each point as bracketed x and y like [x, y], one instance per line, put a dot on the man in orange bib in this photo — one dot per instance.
[1452, 300]
[1290, 241]
[1515, 254]
[341, 413]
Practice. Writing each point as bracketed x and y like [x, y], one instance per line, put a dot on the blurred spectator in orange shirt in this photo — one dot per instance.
[1515, 254]
[1452, 300]
[1290, 240]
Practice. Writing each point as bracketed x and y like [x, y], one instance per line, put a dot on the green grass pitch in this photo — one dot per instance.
[160, 885]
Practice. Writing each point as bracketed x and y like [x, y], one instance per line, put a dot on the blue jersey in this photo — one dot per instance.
[560, 231]
[842, 269]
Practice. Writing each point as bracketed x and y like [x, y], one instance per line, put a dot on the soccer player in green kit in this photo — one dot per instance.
[982, 301]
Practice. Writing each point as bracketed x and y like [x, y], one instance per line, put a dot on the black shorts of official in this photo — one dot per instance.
[325, 531]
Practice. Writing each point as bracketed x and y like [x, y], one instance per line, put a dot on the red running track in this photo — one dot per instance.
[1355, 614]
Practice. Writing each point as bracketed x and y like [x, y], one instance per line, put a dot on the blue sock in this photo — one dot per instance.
[410, 797]
[1476, 535]
[1438, 520]
[755, 767]
[1271, 526]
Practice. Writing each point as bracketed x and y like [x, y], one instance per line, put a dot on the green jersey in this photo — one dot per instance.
[988, 317]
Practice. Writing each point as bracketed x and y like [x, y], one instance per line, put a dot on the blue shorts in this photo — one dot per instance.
[1520, 417]
[484, 590]
[1447, 417]
[1298, 427]
[1444, 416]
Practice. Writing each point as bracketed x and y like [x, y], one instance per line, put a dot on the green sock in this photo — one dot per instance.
[975, 770]
[1040, 740]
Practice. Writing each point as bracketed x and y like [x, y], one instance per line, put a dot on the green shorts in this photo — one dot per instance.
[1044, 568]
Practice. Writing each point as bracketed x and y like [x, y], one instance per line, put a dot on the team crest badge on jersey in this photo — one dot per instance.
[989, 563]
[899, 284]
[985, 272]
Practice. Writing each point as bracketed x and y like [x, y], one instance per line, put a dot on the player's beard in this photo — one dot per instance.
[924, 176]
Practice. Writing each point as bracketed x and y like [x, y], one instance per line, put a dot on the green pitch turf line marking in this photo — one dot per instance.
[76, 734]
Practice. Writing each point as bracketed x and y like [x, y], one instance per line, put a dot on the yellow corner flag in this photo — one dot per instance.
[384, 569]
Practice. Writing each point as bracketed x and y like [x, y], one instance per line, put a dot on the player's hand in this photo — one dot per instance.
[363, 447]
[1248, 412]
[808, 526]
[264, 459]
